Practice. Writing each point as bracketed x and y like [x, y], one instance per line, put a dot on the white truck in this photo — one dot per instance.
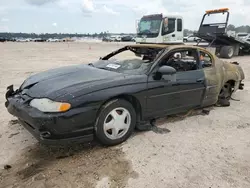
[159, 28]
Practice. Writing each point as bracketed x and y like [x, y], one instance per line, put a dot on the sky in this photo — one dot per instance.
[115, 16]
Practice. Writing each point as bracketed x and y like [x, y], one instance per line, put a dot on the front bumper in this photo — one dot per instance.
[74, 126]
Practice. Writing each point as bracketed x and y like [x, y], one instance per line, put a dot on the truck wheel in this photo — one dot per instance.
[227, 52]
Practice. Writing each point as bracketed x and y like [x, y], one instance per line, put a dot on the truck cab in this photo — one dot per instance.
[157, 28]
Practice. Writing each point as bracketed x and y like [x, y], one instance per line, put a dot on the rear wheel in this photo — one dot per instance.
[227, 52]
[226, 91]
[115, 122]
[225, 95]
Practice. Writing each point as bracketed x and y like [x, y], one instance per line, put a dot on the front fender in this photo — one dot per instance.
[97, 98]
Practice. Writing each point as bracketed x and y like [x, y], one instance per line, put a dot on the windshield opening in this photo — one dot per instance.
[149, 26]
[130, 61]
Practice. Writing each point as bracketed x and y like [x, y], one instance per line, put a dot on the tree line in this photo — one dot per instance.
[57, 35]
[245, 29]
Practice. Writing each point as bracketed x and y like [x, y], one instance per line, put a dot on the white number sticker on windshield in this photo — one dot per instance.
[113, 66]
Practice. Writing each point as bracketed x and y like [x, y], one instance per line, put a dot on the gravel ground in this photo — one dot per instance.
[193, 150]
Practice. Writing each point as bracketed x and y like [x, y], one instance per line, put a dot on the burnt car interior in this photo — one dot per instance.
[182, 60]
[205, 60]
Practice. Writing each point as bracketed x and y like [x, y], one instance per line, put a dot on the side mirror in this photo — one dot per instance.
[166, 70]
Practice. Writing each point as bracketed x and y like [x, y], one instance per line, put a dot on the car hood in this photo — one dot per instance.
[68, 80]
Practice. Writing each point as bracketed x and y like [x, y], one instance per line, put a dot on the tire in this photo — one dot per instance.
[227, 52]
[185, 40]
[225, 95]
[223, 103]
[226, 91]
[113, 136]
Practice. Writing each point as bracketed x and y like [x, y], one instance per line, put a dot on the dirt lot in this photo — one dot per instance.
[199, 151]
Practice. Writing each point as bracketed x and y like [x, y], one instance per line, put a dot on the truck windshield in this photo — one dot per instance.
[149, 26]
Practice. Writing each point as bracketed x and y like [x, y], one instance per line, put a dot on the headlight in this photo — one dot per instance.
[47, 105]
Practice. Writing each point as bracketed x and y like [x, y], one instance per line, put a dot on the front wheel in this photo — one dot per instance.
[116, 122]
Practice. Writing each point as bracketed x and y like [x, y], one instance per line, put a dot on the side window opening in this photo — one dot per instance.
[168, 26]
[205, 60]
[179, 24]
[182, 60]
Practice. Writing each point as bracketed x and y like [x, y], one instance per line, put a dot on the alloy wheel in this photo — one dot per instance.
[117, 123]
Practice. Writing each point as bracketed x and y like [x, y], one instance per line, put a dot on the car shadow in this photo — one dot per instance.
[60, 166]
[156, 124]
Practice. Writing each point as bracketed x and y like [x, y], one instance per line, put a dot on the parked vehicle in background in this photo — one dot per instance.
[243, 36]
[106, 39]
[159, 28]
[2, 39]
[23, 40]
[112, 38]
[191, 38]
[39, 40]
[53, 40]
[127, 38]
[115, 38]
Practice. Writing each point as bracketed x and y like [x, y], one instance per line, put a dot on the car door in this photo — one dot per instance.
[175, 93]
[213, 77]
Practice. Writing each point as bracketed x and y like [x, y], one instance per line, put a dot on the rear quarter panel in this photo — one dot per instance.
[218, 75]
[215, 77]
[233, 72]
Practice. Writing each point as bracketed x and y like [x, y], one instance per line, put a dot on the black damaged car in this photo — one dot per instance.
[108, 98]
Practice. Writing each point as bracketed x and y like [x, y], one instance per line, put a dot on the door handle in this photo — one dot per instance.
[200, 80]
[173, 35]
